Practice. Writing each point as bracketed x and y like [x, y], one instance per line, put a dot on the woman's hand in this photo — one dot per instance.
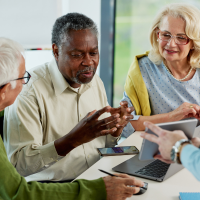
[185, 110]
[125, 116]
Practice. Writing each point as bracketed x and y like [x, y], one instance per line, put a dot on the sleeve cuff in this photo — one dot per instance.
[187, 152]
[49, 153]
[135, 117]
[190, 158]
[128, 130]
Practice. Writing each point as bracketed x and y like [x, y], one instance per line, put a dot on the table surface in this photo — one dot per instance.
[169, 189]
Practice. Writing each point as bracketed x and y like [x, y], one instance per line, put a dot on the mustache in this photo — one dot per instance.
[87, 69]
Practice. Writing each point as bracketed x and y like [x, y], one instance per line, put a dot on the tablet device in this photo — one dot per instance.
[149, 149]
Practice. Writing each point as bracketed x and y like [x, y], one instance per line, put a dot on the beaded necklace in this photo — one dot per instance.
[181, 78]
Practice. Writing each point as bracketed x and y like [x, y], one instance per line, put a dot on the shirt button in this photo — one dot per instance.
[80, 115]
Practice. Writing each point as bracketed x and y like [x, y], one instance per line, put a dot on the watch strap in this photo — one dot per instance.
[179, 145]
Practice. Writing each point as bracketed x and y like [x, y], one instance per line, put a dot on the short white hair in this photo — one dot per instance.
[10, 57]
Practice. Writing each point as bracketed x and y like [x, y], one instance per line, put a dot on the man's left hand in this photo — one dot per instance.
[125, 116]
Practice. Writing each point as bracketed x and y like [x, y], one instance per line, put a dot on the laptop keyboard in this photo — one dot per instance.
[155, 169]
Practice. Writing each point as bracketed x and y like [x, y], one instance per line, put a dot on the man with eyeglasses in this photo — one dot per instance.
[59, 95]
[24, 79]
[12, 185]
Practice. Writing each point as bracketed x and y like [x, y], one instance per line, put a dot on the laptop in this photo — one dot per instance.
[145, 166]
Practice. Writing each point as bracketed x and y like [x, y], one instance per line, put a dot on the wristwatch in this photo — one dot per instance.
[176, 149]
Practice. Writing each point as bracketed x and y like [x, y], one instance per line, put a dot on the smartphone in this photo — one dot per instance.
[116, 151]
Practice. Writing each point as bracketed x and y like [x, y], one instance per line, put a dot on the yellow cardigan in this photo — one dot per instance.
[136, 89]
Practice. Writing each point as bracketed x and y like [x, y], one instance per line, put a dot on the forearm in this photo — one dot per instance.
[15, 187]
[80, 189]
[160, 118]
[34, 158]
[190, 158]
[65, 144]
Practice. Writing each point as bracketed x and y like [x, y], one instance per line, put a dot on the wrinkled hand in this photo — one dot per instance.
[196, 142]
[117, 188]
[185, 110]
[125, 115]
[86, 130]
[165, 140]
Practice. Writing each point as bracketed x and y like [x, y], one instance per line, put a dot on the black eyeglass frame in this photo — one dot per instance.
[29, 76]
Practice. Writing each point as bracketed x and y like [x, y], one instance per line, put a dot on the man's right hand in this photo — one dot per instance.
[86, 130]
[118, 188]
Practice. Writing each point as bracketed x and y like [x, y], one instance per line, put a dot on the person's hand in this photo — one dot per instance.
[196, 142]
[165, 140]
[87, 129]
[125, 115]
[118, 188]
[185, 110]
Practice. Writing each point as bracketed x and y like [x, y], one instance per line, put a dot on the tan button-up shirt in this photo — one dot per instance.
[47, 109]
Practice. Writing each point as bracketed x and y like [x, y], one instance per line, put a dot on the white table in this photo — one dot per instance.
[183, 181]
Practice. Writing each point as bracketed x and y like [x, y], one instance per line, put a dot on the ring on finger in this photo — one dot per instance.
[191, 106]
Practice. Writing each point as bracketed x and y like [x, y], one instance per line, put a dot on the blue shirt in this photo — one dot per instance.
[190, 158]
[165, 92]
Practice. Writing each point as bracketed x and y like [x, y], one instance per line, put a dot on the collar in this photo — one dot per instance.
[59, 82]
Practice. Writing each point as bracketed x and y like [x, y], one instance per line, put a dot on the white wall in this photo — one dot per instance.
[30, 23]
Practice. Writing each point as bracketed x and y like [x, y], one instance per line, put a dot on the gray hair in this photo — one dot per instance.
[70, 22]
[10, 57]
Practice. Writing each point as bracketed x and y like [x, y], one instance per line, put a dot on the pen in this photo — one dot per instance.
[107, 173]
[145, 184]
[113, 175]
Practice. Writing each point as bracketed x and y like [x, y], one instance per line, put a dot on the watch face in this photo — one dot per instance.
[173, 154]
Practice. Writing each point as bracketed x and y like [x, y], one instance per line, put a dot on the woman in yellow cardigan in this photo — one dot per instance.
[164, 84]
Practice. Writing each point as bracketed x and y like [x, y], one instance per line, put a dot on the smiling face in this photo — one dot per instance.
[79, 57]
[171, 51]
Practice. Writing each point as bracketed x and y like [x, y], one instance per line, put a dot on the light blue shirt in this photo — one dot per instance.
[165, 92]
[190, 158]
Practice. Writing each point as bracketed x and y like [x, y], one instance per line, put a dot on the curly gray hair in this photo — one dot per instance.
[70, 22]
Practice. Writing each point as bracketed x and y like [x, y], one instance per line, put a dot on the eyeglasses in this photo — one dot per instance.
[179, 39]
[26, 79]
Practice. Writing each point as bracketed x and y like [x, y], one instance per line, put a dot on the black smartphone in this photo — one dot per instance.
[116, 151]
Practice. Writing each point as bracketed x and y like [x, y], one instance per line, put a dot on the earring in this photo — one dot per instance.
[192, 47]
[157, 40]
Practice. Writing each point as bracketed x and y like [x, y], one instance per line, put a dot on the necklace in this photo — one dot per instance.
[181, 78]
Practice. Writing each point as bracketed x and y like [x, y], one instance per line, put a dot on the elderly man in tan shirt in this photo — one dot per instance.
[38, 133]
